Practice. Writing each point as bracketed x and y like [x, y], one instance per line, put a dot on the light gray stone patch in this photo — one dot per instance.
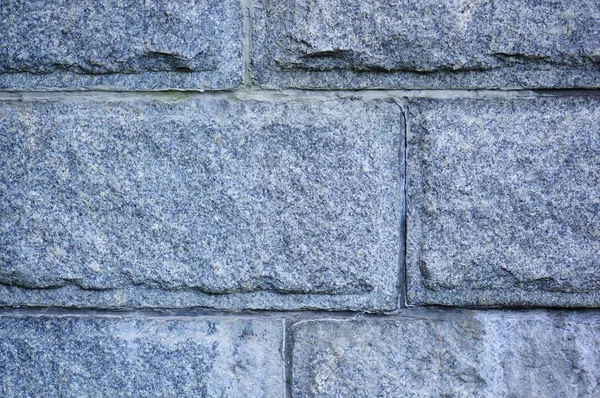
[118, 357]
[426, 44]
[491, 354]
[503, 202]
[201, 202]
[140, 45]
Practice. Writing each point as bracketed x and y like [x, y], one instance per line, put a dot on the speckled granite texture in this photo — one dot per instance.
[138, 45]
[451, 354]
[300, 198]
[504, 202]
[196, 202]
[426, 44]
[123, 357]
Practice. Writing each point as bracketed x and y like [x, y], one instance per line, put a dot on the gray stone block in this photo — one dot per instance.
[426, 44]
[158, 44]
[451, 354]
[503, 204]
[201, 202]
[124, 357]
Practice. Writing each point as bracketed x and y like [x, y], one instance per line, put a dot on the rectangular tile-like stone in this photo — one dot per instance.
[503, 202]
[125, 357]
[201, 202]
[426, 43]
[140, 45]
[491, 354]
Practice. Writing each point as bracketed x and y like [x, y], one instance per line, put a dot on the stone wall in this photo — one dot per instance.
[300, 198]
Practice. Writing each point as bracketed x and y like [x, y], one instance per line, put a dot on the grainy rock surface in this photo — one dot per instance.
[504, 202]
[451, 354]
[121, 357]
[207, 198]
[425, 43]
[127, 44]
[195, 202]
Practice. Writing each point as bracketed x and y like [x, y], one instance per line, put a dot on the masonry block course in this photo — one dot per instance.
[202, 202]
[503, 202]
[124, 357]
[300, 198]
[426, 43]
[191, 44]
[448, 354]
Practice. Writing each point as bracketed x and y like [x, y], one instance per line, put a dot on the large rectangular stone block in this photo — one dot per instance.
[127, 357]
[201, 202]
[426, 43]
[451, 354]
[504, 202]
[156, 44]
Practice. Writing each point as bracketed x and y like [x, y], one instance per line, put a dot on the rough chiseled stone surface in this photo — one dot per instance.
[491, 354]
[426, 43]
[127, 44]
[504, 202]
[120, 357]
[195, 202]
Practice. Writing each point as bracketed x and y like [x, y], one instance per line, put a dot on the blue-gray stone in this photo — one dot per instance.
[158, 44]
[426, 43]
[449, 354]
[504, 202]
[201, 202]
[127, 357]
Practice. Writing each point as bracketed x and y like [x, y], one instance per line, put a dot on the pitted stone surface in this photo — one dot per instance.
[156, 44]
[491, 354]
[120, 357]
[426, 43]
[504, 202]
[201, 202]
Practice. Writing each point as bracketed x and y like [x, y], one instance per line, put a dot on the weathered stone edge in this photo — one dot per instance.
[72, 297]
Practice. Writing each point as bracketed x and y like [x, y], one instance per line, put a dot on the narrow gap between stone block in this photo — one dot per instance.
[251, 92]
[248, 15]
[288, 358]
